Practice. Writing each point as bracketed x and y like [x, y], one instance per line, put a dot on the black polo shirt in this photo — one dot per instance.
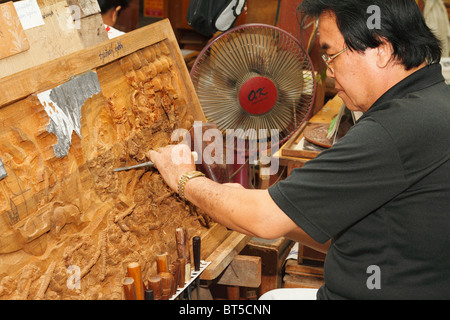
[382, 194]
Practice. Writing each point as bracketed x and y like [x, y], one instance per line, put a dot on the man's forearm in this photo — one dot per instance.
[233, 207]
[250, 212]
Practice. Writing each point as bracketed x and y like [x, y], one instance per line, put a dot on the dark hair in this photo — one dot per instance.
[402, 24]
[106, 5]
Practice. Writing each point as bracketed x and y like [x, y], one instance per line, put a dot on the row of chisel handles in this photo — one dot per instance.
[168, 278]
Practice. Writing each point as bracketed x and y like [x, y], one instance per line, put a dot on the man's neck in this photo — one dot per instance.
[396, 74]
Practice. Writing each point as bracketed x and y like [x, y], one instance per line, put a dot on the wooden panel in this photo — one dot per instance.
[59, 36]
[40, 78]
[60, 214]
[12, 37]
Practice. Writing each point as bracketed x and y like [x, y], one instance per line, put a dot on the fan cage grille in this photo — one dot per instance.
[251, 51]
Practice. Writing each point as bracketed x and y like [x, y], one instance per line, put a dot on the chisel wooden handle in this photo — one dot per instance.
[134, 271]
[180, 236]
[129, 289]
[155, 283]
[188, 272]
[175, 270]
[167, 280]
[182, 279]
[196, 248]
[162, 263]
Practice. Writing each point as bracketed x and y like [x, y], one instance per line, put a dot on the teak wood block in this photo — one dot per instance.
[243, 271]
[273, 254]
[230, 245]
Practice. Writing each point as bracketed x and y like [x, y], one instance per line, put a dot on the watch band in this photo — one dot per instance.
[185, 178]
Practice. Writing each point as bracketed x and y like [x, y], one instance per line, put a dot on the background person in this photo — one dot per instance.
[110, 10]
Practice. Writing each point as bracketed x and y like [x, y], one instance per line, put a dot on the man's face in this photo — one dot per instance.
[352, 71]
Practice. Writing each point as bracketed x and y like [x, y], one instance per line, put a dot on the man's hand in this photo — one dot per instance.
[172, 162]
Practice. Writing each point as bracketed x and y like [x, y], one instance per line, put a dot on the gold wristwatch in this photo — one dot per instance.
[184, 179]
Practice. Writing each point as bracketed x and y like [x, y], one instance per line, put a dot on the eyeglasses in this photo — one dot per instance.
[329, 60]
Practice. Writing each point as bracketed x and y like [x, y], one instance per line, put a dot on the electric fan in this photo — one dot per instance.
[256, 77]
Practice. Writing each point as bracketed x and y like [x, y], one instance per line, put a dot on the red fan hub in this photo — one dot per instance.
[258, 95]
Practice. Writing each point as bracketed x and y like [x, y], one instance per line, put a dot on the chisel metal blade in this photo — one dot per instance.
[138, 166]
[149, 164]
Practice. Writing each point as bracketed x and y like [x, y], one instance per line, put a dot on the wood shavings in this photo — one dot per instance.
[45, 281]
[103, 252]
[124, 214]
[92, 262]
[26, 280]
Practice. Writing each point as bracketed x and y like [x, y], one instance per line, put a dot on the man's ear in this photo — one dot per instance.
[385, 53]
[115, 14]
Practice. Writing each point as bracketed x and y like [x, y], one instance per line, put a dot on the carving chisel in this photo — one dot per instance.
[196, 244]
[148, 164]
[196, 249]
[142, 165]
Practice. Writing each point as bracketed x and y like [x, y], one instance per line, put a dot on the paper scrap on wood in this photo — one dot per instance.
[29, 13]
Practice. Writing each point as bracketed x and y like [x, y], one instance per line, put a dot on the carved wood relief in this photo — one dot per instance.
[73, 217]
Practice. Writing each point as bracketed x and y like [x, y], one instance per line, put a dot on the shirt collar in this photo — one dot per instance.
[419, 80]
